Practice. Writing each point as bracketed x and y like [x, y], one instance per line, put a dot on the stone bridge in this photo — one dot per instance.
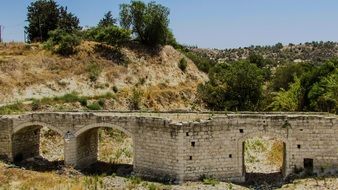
[181, 146]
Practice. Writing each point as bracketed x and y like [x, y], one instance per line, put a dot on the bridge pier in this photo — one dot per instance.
[86, 148]
[6, 139]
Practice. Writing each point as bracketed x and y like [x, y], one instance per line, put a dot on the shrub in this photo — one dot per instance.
[135, 100]
[68, 98]
[183, 64]
[202, 62]
[111, 35]
[62, 43]
[94, 106]
[94, 71]
[83, 101]
[101, 102]
[115, 89]
[36, 105]
[209, 181]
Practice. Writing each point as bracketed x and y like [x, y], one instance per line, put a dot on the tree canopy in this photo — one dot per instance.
[46, 15]
[148, 22]
[107, 20]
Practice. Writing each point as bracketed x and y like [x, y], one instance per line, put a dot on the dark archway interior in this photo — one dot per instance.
[38, 148]
[264, 161]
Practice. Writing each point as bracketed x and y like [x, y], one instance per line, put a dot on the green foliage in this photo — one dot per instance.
[68, 98]
[62, 42]
[288, 100]
[107, 20]
[285, 75]
[44, 16]
[12, 109]
[210, 181]
[110, 34]
[94, 71]
[202, 62]
[115, 89]
[94, 106]
[323, 95]
[149, 22]
[135, 100]
[101, 102]
[237, 86]
[83, 101]
[36, 105]
[68, 21]
[183, 64]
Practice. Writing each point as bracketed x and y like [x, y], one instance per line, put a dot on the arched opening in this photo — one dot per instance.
[37, 147]
[264, 161]
[105, 150]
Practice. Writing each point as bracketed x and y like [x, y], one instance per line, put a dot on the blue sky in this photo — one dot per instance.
[210, 23]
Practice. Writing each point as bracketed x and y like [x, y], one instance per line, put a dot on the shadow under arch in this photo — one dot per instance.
[26, 142]
[241, 145]
[87, 141]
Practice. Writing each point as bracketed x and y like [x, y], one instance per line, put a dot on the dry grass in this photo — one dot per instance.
[275, 155]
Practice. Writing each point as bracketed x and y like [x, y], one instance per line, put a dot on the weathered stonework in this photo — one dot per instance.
[180, 146]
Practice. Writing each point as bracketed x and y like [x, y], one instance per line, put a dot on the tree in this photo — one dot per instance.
[107, 20]
[42, 17]
[288, 100]
[233, 87]
[68, 21]
[148, 22]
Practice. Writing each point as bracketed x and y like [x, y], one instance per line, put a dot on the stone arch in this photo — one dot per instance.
[23, 148]
[102, 125]
[87, 142]
[36, 123]
[242, 139]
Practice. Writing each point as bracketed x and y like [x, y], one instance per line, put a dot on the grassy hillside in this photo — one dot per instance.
[28, 72]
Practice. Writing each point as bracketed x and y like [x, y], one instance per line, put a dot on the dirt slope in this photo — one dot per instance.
[28, 71]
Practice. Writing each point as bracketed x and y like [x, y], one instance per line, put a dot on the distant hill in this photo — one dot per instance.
[307, 52]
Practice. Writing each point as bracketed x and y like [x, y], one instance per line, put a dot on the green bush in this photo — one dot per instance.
[111, 35]
[94, 71]
[202, 62]
[11, 109]
[94, 106]
[235, 87]
[115, 89]
[135, 100]
[210, 181]
[62, 43]
[101, 102]
[68, 98]
[83, 101]
[183, 64]
[36, 105]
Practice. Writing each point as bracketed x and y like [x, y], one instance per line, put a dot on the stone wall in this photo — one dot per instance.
[6, 139]
[205, 144]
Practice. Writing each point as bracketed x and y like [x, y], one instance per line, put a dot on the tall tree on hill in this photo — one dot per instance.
[107, 20]
[148, 22]
[68, 21]
[42, 17]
